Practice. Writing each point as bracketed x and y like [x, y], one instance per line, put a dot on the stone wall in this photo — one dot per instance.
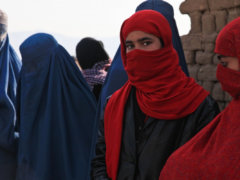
[208, 17]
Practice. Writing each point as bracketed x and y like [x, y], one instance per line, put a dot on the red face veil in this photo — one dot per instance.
[149, 71]
[227, 44]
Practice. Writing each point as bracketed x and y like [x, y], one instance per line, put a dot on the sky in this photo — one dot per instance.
[70, 20]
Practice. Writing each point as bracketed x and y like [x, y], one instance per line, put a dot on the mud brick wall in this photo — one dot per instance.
[208, 17]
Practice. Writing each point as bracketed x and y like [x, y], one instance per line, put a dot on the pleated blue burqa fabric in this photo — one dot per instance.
[9, 72]
[56, 113]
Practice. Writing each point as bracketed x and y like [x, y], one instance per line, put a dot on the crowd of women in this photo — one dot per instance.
[142, 118]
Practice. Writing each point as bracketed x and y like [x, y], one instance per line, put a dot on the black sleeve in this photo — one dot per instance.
[98, 165]
[203, 115]
[207, 112]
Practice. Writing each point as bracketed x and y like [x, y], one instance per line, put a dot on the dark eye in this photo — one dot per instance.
[146, 43]
[219, 57]
[224, 63]
[129, 46]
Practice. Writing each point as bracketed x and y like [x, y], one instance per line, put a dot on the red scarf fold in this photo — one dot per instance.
[163, 91]
[214, 153]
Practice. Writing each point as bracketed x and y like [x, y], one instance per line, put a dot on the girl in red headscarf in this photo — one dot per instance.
[156, 111]
[214, 153]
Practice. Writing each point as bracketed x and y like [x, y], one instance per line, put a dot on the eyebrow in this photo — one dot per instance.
[139, 40]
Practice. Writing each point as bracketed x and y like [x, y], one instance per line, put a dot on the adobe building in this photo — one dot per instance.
[208, 17]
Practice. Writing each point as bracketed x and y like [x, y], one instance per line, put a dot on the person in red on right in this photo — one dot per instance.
[214, 153]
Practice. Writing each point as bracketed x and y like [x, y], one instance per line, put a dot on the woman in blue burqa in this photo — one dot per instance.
[56, 113]
[9, 71]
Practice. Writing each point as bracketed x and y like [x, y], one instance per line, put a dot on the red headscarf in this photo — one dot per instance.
[163, 91]
[214, 153]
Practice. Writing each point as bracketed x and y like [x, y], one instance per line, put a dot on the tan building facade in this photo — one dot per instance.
[208, 17]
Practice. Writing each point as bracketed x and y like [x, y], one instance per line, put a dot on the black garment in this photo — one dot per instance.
[154, 140]
[97, 90]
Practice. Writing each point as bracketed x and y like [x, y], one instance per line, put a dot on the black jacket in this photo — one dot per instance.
[147, 145]
[97, 90]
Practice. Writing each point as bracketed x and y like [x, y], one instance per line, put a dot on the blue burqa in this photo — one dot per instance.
[9, 71]
[56, 113]
[117, 76]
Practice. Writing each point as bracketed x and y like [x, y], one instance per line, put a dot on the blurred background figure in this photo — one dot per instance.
[94, 62]
[9, 72]
[56, 113]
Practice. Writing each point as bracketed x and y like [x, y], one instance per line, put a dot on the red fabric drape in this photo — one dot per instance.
[214, 153]
[163, 91]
